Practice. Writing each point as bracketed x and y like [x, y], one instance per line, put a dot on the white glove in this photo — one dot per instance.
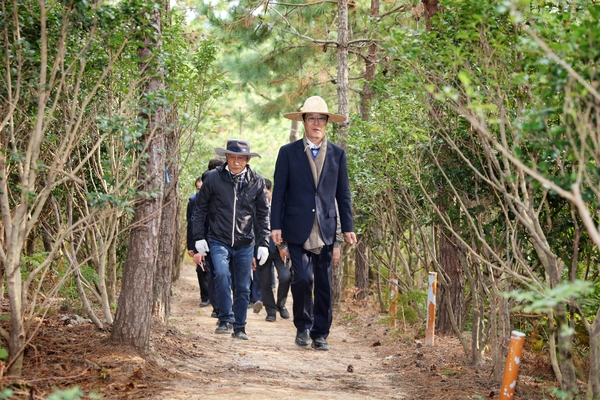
[202, 246]
[262, 255]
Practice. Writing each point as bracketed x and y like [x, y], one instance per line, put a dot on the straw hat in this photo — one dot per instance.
[236, 146]
[315, 105]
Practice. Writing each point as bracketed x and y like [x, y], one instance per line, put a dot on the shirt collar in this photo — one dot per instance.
[312, 145]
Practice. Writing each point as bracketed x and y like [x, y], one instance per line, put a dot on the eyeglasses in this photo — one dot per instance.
[239, 159]
[313, 120]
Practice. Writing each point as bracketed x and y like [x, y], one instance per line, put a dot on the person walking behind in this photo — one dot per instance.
[201, 270]
[310, 176]
[265, 275]
[231, 196]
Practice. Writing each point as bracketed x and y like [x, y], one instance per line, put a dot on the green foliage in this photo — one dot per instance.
[406, 303]
[69, 290]
[550, 297]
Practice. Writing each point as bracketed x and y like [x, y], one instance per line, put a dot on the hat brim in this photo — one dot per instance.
[297, 116]
[223, 153]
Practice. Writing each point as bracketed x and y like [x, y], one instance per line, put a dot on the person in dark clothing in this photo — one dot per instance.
[205, 272]
[265, 275]
[233, 199]
[201, 270]
[311, 192]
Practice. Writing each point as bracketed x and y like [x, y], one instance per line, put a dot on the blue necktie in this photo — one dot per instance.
[315, 151]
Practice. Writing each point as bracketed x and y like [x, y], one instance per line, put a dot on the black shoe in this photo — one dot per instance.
[320, 344]
[271, 318]
[284, 312]
[214, 314]
[224, 327]
[239, 333]
[302, 337]
[204, 303]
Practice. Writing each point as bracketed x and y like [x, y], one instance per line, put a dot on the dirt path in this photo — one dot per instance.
[270, 365]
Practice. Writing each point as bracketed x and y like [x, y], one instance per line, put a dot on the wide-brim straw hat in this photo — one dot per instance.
[236, 146]
[315, 105]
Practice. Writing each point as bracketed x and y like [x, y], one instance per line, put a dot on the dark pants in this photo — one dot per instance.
[210, 279]
[255, 292]
[317, 315]
[203, 281]
[265, 274]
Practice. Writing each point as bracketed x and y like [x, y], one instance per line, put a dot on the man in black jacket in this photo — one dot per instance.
[205, 271]
[230, 197]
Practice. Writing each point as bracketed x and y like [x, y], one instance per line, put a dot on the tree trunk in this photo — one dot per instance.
[454, 291]
[294, 131]
[342, 90]
[111, 281]
[449, 259]
[431, 8]
[336, 283]
[169, 232]
[14, 286]
[343, 87]
[564, 340]
[594, 378]
[134, 312]
[362, 269]
[371, 62]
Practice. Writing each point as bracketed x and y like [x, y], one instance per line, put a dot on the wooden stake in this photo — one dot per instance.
[511, 370]
[394, 300]
[431, 292]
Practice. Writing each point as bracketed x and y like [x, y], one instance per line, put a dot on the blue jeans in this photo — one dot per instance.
[241, 258]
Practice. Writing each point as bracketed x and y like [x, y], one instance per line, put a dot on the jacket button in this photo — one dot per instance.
[313, 210]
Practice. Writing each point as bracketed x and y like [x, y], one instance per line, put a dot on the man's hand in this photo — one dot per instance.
[284, 253]
[202, 247]
[253, 264]
[199, 259]
[276, 236]
[337, 255]
[350, 237]
[191, 253]
[262, 254]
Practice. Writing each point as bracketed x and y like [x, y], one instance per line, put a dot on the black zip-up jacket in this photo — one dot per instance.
[230, 216]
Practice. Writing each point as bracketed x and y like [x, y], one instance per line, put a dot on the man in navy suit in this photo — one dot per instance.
[310, 176]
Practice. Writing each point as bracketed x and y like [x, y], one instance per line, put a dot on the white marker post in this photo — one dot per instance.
[431, 292]
[394, 300]
[511, 369]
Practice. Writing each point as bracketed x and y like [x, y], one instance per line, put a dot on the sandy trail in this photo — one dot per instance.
[270, 365]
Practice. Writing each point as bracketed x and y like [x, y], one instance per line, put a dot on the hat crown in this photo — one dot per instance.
[238, 146]
[315, 104]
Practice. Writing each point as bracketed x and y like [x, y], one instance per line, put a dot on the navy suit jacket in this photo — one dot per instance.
[296, 199]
